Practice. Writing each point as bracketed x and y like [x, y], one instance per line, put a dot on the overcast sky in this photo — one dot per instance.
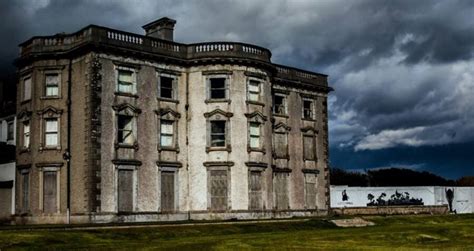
[403, 71]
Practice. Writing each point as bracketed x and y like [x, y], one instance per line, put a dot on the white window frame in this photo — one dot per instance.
[49, 113]
[173, 117]
[218, 115]
[26, 134]
[58, 84]
[27, 90]
[260, 90]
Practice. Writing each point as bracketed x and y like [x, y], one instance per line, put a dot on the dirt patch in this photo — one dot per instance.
[354, 222]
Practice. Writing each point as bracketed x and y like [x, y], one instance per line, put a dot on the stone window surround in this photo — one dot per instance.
[49, 113]
[50, 167]
[260, 101]
[310, 131]
[256, 117]
[208, 75]
[22, 118]
[215, 115]
[170, 74]
[169, 115]
[125, 166]
[224, 166]
[313, 109]
[168, 166]
[127, 110]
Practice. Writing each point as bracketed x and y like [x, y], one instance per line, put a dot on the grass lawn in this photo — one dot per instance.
[391, 232]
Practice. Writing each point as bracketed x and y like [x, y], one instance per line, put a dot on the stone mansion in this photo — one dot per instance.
[118, 127]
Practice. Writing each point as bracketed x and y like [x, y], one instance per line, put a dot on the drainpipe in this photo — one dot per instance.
[67, 153]
[186, 107]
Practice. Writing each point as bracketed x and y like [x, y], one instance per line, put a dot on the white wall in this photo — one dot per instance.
[7, 173]
[463, 201]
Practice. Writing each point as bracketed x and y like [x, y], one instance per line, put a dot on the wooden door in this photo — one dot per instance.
[218, 184]
[125, 190]
[167, 191]
[255, 193]
[50, 192]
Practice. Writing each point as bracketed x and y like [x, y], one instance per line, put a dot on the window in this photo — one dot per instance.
[254, 90]
[26, 134]
[51, 132]
[254, 133]
[125, 81]
[10, 130]
[279, 104]
[52, 85]
[25, 188]
[125, 125]
[308, 110]
[255, 190]
[218, 189]
[309, 143]
[217, 88]
[166, 133]
[27, 88]
[167, 191]
[280, 145]
[166, 87]
[281, 191]
[310, 190]
[125, 190]
[50, 192]
[218, 133]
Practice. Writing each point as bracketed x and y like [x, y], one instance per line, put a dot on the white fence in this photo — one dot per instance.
[462, 197]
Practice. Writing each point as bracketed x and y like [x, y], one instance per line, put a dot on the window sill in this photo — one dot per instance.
[254, 149]
[207, 101]
[50, 97]
[50, 148]
[287, 157]
[169, 149]
[308, 119]
[25, 101]
[126, 94]
[251, 102]
[218, 148]
[24, 150]
[168, 100]
[280, 115]
[127, 146]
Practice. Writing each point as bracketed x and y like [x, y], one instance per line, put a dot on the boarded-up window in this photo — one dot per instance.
[309, 147]
[25, 188]
[255, 193]
[27, 89]
[280, 145]
[125, 190]
[310, 191]
[50, 192]
[218, 183]
[254, 90]
[254, 134]
[281, 191]
[167, 191]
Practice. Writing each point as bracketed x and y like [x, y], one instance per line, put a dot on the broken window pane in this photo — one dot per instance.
[307, 109]
[125, 129]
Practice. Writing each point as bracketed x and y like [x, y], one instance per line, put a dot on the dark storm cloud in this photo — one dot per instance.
[402, 70]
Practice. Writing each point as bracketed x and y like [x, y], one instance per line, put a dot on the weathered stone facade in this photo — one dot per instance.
[160, 130]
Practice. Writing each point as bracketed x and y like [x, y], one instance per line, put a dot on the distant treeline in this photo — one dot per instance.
[394, 177]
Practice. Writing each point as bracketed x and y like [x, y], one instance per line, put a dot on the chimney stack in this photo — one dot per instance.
[162, 28]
